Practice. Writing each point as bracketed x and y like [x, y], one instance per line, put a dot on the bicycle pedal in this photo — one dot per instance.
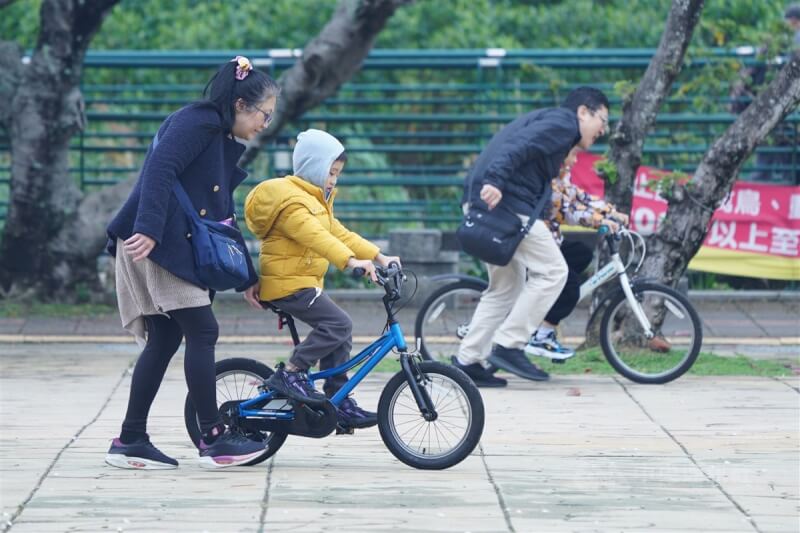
[342, 430]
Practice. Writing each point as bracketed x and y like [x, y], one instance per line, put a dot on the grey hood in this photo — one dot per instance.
[314, 154]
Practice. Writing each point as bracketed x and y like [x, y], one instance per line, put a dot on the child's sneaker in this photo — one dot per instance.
[548, 347]
[295, 385]
[138, 455]
[350, 415]
[229, 449]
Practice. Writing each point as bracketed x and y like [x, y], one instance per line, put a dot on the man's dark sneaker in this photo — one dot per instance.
[350, 415]
[229, 449]
[138, 455]
[295, 385]
[479, 375]
[548, 347]
[513, 360]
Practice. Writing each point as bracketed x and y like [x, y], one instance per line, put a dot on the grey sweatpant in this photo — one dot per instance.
[331, 339]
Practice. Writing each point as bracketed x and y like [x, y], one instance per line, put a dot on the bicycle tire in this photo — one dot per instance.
[612, 347]
[438, 377]
[421, 324]
[244, 367]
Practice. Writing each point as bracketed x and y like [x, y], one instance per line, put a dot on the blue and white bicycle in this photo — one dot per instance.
[430, 415]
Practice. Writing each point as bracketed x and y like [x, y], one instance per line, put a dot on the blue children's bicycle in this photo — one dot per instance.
[430, 415]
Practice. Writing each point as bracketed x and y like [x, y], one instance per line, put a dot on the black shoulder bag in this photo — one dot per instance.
[493, 236]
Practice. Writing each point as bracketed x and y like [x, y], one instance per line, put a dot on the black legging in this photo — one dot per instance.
[578, 256]
[164, 336]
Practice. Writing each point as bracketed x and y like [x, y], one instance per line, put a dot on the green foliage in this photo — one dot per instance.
[625, 90]
[214, 24]
[606, 169]
[664, 183]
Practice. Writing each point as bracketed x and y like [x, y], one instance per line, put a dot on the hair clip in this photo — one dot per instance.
[243, 67]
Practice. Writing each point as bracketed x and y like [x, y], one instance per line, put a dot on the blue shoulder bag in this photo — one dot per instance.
[220, 257]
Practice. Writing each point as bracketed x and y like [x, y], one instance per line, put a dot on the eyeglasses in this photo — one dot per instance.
[267, 116]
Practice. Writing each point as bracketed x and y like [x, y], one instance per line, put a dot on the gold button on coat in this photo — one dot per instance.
[203, 212]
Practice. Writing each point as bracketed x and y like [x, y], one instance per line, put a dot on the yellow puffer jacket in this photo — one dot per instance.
[299, 236]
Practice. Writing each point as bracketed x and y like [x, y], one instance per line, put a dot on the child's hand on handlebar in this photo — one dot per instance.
[368, 267]
[610, 225]
[386, 260]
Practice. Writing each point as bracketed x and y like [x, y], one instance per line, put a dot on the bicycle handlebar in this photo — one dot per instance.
[394, 272]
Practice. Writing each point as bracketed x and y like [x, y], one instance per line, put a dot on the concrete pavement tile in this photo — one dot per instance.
[49, 325]
[604, 460]
[12, 325]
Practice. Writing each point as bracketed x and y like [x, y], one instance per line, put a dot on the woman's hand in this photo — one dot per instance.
[386, 260]
[368, 267]
[251, 296]
[139, 246]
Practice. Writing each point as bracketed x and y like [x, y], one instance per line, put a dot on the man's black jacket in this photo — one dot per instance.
[523, 157]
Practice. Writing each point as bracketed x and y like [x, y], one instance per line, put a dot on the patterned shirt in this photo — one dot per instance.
[573, 206]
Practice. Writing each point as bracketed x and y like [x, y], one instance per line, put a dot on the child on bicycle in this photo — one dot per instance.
[573, 206]
[293, 217]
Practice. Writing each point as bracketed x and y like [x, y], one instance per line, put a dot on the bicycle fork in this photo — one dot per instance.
[636, 307]
[415, 379]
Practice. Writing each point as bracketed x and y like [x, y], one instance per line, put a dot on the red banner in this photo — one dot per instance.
[755, 233]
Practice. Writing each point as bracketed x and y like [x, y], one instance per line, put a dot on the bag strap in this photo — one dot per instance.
[537, 210]
[180, 193]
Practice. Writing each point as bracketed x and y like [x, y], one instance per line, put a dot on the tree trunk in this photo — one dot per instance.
[639, 113]
[328, 61]
[46, 110]
[692, 205]
[640, 110]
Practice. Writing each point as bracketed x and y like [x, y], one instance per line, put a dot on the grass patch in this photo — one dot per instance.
[18, 309]
[593, 361]
[707, 364]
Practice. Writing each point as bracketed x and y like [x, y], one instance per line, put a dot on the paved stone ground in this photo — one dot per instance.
[580, 453]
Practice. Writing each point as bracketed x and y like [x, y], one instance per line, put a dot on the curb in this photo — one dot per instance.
[358, 339]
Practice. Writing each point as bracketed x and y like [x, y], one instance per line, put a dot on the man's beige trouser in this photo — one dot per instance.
[519, 296]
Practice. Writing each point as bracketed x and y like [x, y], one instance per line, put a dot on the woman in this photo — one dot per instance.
[157, 290]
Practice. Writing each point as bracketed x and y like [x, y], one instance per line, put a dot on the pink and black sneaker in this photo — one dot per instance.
[138, 455]
[229, 449]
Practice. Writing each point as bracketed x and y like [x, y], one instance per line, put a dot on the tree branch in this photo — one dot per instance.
[692, 206]
[640, 111]
[328, 61]
[10, 74]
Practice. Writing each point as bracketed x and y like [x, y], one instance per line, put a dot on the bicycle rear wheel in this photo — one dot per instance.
[436, 444]
[443, 319]
[238, 379]
[667, 356]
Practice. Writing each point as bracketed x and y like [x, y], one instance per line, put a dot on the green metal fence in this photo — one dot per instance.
[412, 120]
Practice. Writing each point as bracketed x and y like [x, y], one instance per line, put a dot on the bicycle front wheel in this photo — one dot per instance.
[443, 319]
[662, 358]
[432, 444]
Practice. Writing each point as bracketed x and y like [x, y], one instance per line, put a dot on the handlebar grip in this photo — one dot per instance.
[358, 272]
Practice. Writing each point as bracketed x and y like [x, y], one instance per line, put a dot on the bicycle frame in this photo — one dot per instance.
[370, 356]
[392, 339]
[616, 268]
